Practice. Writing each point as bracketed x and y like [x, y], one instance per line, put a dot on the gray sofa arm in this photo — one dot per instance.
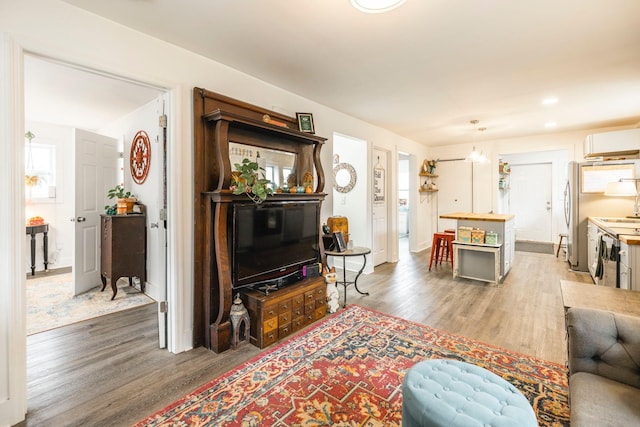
[605, 344]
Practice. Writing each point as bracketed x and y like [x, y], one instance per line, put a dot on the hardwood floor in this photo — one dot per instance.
[109, 372]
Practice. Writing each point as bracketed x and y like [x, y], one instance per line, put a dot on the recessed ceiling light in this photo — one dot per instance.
[376, 6]
[550, 101]
[550, 125]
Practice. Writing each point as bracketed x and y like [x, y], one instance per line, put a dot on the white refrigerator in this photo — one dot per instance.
[584, 197]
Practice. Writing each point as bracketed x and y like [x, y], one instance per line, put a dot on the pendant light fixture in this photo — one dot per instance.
[376, 6]
[476, 156]
[623, 188]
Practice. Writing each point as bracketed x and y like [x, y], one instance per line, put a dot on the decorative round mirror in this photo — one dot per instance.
[344, 177]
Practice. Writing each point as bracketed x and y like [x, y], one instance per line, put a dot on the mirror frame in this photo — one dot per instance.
[353, 177]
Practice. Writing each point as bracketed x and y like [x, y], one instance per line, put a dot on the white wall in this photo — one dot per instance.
[56, 29]
[149, 193]
[58, 211]
[558, 148]
[355, 204]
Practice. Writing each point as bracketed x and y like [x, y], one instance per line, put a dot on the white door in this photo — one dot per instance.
[96, 166]
[454, 190]
[380, 204]
[151, 193]
[531, 201]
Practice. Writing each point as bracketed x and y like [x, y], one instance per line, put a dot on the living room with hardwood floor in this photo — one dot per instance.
[109, 371]
[417, 96]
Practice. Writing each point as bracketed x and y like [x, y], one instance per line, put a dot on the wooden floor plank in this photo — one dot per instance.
[109, 372]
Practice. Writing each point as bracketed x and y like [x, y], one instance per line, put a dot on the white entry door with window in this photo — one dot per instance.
[530, 192]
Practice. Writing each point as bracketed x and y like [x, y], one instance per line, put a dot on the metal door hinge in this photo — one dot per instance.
[163, 214]
[162, 121]
[164, 307]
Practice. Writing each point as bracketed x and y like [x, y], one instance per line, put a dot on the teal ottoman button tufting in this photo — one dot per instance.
[450, 393]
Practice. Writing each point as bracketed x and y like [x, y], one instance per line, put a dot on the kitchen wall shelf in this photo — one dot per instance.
[503, 182]
[428, 185]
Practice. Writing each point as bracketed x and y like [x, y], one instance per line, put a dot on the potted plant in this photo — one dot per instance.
[245, 181]
[125, 200]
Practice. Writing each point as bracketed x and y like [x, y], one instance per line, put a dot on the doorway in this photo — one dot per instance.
[404, 205]
[93, 104]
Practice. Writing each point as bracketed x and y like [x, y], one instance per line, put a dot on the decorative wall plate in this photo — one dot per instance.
[140, 157]
[344, 177]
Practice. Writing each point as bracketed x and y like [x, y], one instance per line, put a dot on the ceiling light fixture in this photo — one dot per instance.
[550, 101]
[550, 125]
[476, 156]
[376, 6]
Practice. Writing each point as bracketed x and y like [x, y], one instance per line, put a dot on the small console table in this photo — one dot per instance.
[356, 251]
[32, 230]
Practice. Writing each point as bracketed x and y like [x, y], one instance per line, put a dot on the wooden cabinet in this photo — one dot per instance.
[282, 312]
[219, 122]
[123, 252]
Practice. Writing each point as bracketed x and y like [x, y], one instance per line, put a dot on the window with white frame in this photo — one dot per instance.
[40, 164]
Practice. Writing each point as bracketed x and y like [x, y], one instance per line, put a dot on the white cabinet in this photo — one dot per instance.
[509, 246]
[592, 248]
[629, 264]
[625, 270]
[489, 263]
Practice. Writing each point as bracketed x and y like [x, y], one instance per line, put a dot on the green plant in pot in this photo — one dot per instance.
[244, 180]
[125, 200]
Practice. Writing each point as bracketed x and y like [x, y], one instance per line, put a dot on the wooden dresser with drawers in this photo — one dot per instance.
[285, 311]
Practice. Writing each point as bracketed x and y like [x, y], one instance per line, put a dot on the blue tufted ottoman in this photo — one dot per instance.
[450, 393]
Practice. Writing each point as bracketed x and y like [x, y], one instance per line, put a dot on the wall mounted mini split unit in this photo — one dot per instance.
[620, 144]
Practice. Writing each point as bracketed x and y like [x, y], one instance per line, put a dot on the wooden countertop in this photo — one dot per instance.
[478, 216]
[586, 295]
[629, 239]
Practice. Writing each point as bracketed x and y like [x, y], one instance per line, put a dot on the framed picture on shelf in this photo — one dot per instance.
[305, 122]
[340, 244]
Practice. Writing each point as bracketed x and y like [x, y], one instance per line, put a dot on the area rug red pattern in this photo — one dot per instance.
[347, 371]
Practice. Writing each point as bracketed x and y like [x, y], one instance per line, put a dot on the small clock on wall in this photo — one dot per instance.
[140, 158]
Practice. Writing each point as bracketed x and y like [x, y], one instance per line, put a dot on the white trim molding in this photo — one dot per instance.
[13, 341]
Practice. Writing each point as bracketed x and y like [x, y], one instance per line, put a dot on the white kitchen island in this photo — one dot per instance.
[480, 261]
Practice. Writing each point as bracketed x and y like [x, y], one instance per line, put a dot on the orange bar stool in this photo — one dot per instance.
[442, 248]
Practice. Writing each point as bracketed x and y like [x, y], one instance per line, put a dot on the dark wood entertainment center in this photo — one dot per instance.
[219, 121]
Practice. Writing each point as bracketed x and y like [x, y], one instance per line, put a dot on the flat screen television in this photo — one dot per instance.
[273, 240]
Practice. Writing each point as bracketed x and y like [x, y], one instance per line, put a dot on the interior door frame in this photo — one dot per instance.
[13, 333]
[179, 227]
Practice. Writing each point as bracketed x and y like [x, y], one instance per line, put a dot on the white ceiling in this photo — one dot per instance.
[63, 95]
[427, 68]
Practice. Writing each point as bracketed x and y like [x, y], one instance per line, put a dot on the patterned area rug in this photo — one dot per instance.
[348, 371]
[51, 304]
